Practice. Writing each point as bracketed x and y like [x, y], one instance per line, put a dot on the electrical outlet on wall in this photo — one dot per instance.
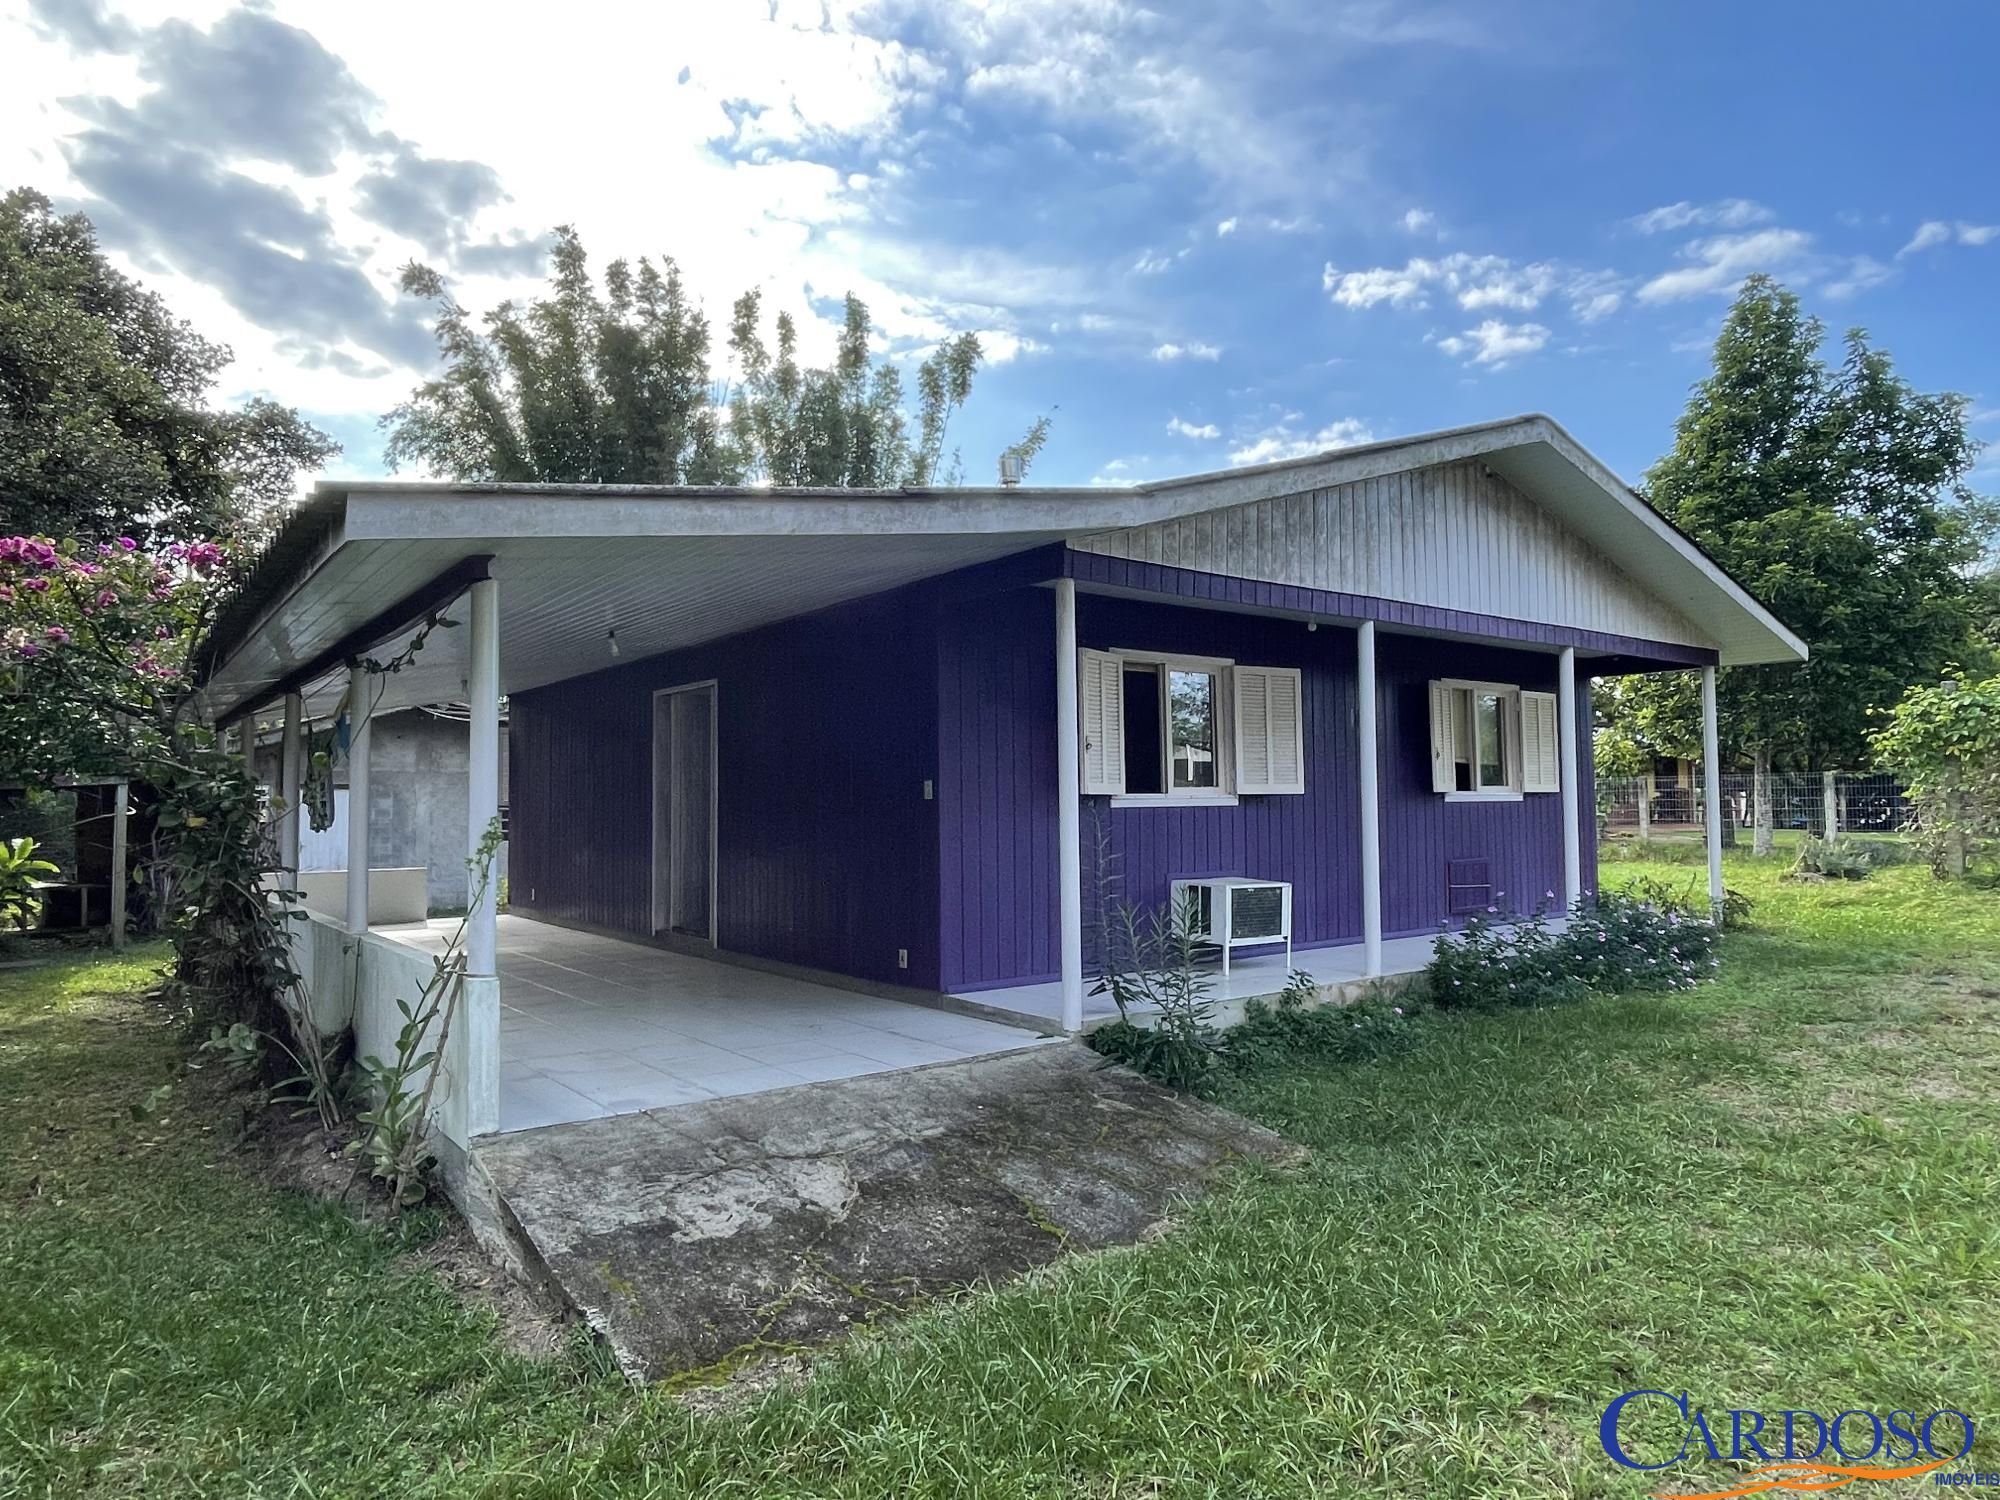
[930, 791]
[902, 958]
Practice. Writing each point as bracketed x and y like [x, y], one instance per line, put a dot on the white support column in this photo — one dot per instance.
[121, 880]
[291, 786]
[360, 698]
[1830, 799]
[482, 803]
[1711, 786]
[1371, 804]
[1572, 779]
[475, 1043]
[1069, 812]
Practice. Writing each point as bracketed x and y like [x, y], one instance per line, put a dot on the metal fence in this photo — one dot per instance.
[1853, 803]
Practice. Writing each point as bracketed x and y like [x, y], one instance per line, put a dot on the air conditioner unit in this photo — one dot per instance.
[1236, 913]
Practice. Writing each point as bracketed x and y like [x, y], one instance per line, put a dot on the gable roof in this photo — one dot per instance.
[669, 566]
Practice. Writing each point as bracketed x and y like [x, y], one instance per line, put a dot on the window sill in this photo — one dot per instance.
[1507, 796]
[1174, 799]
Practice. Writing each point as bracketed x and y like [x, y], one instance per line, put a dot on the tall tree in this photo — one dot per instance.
[1837, 497]
[582, 388]
[105, 426]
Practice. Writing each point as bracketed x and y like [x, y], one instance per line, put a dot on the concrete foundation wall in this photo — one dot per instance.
[365, 980]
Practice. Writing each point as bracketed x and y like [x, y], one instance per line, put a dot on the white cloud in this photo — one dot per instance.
[1276, 444]
[1725, 213]
[1227, 226]
[1151, 263]
[1002, 345]
[1495, 344]
[1595, 294]
[1473, 281]
[1949, 232]
[1419, 221]
[1863, 272]
[1382, 284]
[1721, 263]
[1492, 282]
[1204, 430]
[1194, 349]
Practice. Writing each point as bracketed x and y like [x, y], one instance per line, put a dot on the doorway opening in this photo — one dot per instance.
[684, 772]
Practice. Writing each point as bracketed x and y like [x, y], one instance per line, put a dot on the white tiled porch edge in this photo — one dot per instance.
[592, 1027]
[1249, 979]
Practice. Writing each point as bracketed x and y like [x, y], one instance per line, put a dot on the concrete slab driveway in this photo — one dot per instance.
[728, 1227]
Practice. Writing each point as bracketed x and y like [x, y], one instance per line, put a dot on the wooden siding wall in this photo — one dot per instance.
[1454, 536]
[997, 900]
[826, 732]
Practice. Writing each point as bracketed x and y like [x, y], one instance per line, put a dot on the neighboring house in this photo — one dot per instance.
[416, 798]
[879, 739]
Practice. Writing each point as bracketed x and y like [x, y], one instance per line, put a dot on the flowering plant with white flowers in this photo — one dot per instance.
[1609, 944]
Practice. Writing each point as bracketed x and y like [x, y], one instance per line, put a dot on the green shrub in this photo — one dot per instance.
[1151, 966]
[1690, 899]
[1162, 1055]
[1369, 1027]
[20, 869]
[1489, 965]
[1833, 859]
[1619, 942]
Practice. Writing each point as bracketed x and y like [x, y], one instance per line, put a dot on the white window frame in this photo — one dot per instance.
[1509, 694]
[1223, 793]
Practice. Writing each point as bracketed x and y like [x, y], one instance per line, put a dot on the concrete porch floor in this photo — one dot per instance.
[1256, 978]
[592, 1027]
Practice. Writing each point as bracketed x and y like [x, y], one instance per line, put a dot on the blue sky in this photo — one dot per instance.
[1202, 235]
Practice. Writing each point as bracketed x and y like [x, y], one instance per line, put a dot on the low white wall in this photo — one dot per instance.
[319, 955]
[396, 895]
[364, 980]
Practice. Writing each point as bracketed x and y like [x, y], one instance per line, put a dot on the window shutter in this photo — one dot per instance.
[1541, 746]
[1100, 703]
[1444, 739]
[1270, 731]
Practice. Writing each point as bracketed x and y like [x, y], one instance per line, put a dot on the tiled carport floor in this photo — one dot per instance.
[591, 1026]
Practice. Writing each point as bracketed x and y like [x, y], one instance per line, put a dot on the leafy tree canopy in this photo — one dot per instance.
[105, 428]
[584, 386]
[1837, 496]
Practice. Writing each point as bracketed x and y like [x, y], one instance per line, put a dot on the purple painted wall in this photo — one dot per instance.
[831, 858]
[826, 848]
[996, 812]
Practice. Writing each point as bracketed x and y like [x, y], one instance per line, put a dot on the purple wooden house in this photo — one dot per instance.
[865, 749]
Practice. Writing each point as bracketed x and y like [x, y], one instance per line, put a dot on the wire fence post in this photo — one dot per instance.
[1830, 810]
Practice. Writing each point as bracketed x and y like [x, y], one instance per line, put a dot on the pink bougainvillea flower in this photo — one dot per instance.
[57, 634]
[128, 544]
[39, 585]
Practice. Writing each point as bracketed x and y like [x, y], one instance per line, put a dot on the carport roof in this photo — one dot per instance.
[671, 566]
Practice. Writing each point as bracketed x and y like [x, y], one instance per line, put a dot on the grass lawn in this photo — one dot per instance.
[1782, 1190]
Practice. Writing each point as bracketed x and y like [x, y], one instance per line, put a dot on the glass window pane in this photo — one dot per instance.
[1191, 695]
[1145, 757]
[1492, 752]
